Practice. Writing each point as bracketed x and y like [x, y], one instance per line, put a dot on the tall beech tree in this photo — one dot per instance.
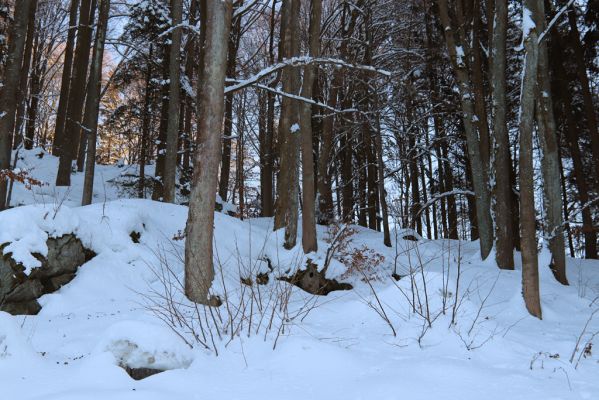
[199, 268]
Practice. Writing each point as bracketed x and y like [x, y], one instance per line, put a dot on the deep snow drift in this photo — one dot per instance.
[275, 341]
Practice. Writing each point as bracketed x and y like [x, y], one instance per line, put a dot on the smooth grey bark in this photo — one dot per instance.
[8, 92]
[287, 203]
[308, 193]
[528, 230]
[92, 102]
[174, 103]
[199, 269]
[550, 162]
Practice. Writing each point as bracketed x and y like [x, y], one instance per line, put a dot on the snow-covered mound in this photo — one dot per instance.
[453, 326]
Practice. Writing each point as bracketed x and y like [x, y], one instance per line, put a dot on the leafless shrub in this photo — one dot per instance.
[250, 307]
[584, 343]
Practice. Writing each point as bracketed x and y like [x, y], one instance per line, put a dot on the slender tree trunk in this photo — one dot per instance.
[199, 269]
[504, 246]
[187, 138]
[25, 69]
[572, 138]
[225, 168]
[8, 92]
[458, 56]
[325, 192]
[530, 262]
[70, 143]
[158, 191]
[145, 128]
[39, 67]
[308, 195]
[581, 73]
[268, 168]
[550, 161]
[174, 103]
[381, 183]
[61, 113]
[92, 102]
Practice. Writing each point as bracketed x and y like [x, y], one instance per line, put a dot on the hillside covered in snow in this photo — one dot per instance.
[425, 318]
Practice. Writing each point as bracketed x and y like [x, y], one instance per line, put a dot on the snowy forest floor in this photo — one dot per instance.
[453, 327]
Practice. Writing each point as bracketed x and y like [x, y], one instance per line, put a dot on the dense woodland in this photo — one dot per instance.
[459, 119]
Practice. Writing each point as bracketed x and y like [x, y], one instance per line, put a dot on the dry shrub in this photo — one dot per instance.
[20, 176]
[360, 261]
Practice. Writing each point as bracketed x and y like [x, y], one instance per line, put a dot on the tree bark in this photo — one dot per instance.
[550, 161]
[458, 55]
[570, 132]
[308, 195]
[530, 262]
[61, 113]
[225, 168]
[92, 102]
[70, 142]
[286, 212]
[581, 72]
[8, 92]
[504, 246]
[25, 69]
[174, 103]
[145, 128]
[199, 269]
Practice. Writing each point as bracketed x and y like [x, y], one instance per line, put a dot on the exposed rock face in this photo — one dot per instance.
[19, 292]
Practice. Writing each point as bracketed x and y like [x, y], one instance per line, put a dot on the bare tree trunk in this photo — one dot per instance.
[286, 213]
[174, 103]
[325, 193]
[25, 69]
[308, 195]
[530, 262]
[158, 190]
[70, 143]
[39, 67]
[61, 113]
[381, 183]
[92, 102]
[225, 168]
[145, 129]
[458, 55]
[199, 269]
[570, 132]
[550, 161]
[504, 245]
[581, 72]
[8, 92]
[266, 183]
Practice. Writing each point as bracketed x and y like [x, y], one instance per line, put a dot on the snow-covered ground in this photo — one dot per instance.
[275, 341]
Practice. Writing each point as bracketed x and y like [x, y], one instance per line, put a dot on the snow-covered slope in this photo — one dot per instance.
[275, 341]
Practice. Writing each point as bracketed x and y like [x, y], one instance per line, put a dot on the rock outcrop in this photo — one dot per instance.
[19, 291]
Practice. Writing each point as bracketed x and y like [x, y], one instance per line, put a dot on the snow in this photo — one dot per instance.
[295, 346]
[528, 23]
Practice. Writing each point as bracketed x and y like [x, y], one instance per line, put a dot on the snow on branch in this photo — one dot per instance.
[439, 196]
[297, 97]
[297, 62]
[554, 20]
